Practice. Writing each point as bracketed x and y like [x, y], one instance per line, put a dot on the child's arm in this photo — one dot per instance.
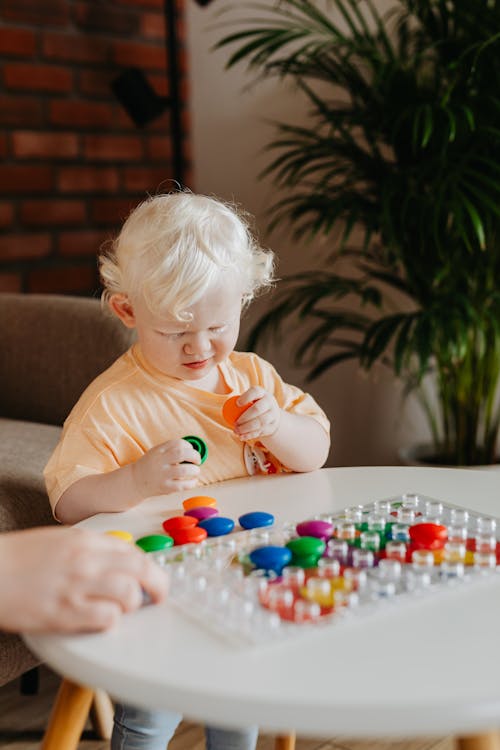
[161, 470]
[299, 442]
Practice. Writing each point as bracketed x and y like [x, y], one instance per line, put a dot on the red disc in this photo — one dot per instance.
[194, 535]
[177, 523]
[428, 535]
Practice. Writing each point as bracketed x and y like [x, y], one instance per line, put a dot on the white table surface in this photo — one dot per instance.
[429, 666]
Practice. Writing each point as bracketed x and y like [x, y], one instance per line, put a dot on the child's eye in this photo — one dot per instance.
[218, 329]
[169, 335]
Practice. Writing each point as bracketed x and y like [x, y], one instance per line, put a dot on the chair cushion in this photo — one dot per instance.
[25, 448]
[15, 657]
[52, 346]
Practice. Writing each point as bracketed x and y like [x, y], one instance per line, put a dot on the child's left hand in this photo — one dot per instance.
[262, 419]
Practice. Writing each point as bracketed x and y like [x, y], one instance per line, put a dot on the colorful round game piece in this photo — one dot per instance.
[305, 546]
[199, 445]
[256, 519]
[217, 526]
[179, 522]
[193, 535]
[154, 542]
[125, 535]
[271, 558]
[199, 501]
[232, 412]
[305, 561]
[316, 528]
[202, 512]
[428, 535]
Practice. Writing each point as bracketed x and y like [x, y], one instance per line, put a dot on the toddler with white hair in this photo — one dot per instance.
[180, 272]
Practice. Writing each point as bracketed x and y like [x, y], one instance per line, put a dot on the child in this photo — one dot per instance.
[180, 272]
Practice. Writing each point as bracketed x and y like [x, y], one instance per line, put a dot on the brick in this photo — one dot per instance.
[103, 18]
[36, 13]
[17, 42]
[160, 83]
[159, 146]
[20, 111]
[112, 211]
[113, 147]
[141, 3]
[74, 48]
[6, 214]
[53, 212]
[87, 179]
[20, 178]
[153, 25]
[80, 113]
[33, 144]
[24, 246]
[148, 56]
[150, 179]
[10, 282]
[37, 77]
[81, 242]
[63, 279]
[96, 83]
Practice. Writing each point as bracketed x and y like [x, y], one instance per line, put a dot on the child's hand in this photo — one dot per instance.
[161, 470]
[262, 419]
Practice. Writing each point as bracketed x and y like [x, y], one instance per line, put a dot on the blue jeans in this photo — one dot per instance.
[138, 729]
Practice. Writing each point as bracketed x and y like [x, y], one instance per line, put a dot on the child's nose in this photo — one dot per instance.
[198, 343]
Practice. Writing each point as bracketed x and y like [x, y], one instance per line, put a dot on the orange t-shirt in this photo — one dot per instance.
[132, 407]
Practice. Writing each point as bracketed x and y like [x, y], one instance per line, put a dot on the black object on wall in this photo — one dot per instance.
[143, 104]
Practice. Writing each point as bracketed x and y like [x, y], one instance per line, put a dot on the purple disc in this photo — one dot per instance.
[317, 528]
[202, 512]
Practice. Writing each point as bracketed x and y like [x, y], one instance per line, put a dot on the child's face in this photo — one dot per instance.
[191, 350]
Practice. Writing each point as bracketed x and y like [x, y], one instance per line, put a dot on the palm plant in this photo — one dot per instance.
[402, 142]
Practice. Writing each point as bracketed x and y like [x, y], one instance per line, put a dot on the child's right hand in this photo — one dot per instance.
[161, 470]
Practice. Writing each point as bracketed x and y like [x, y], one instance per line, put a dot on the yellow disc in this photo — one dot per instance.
[469, 557]
[125, 535]
[322, 598]
[199, 501]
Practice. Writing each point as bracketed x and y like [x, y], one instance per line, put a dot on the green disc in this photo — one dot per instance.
[199, 445]
[305, 561]
[306, 545]
[154, 542]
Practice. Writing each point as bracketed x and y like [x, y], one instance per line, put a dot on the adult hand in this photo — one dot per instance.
[262, 419]
[65, 580]
[161, 470]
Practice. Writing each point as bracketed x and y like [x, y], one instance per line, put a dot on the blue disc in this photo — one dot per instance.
[217, 525]
[271, 558]
[255, 519]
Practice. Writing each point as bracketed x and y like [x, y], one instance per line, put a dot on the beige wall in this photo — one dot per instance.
[229, 133]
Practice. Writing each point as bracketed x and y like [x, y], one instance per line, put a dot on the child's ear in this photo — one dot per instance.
[122, 308]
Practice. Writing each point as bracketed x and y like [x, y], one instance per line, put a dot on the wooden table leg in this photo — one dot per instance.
[101, 714]
[486, 741]
[287, 742]
[68, 717]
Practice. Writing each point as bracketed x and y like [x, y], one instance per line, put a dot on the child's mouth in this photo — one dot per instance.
[196, 365]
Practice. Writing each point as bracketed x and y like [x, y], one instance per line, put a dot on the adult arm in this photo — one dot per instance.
[63, 580]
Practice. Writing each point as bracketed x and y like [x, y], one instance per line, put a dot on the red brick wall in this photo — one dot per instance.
[72, 162]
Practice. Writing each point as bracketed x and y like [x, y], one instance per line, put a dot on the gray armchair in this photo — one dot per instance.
[51, 347]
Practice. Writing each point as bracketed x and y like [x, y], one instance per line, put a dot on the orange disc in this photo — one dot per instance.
[231, 412]
[199, 501]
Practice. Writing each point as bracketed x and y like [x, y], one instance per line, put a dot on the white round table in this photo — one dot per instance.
[424, 667]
